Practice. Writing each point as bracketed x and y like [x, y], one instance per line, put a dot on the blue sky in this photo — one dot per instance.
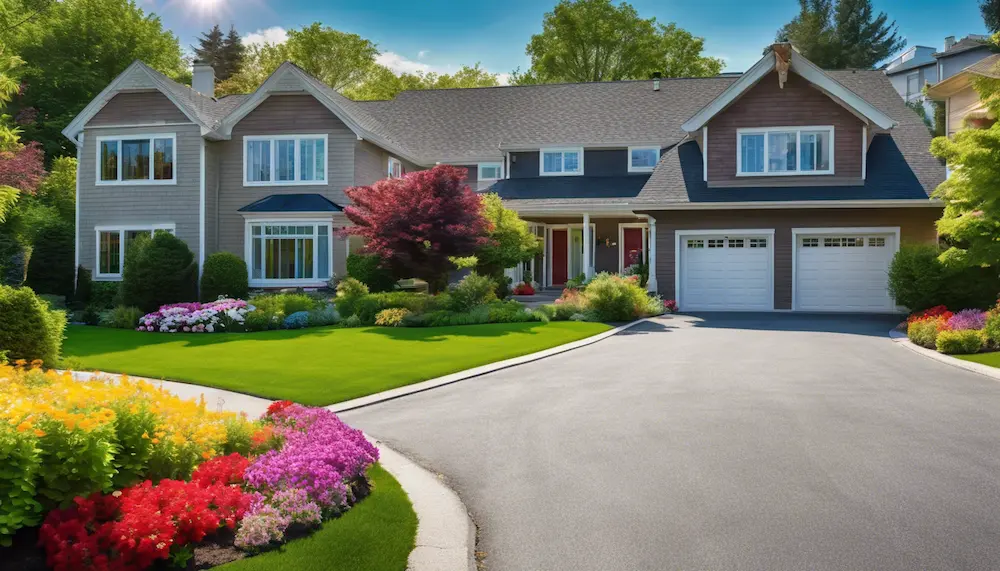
[441, 35]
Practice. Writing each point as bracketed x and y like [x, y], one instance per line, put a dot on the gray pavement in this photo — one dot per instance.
[721, 442]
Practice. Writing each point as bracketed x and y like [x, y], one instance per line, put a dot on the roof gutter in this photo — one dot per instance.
[634, 208]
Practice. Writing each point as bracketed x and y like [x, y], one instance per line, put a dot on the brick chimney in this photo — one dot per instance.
[203, 78]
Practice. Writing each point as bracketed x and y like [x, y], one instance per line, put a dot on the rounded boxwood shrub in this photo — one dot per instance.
[51, 267]
[918, 280]
[29, 330]
[474, 290]
[923, 332]
[224, 274]
[158, 271]
[613, 298]
[369, 270]
[961, 342]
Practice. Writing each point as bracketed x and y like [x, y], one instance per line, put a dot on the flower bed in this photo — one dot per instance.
[125, 475]
[219, 315]
[963, 332]
[606, 297]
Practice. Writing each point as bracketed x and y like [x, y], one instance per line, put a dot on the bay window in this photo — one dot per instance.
[292, 252]
[784, 151]
[114, 242]
[136, 159]
[284, 160]
[554, 162]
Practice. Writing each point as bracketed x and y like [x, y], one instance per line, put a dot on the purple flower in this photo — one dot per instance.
[967, 319]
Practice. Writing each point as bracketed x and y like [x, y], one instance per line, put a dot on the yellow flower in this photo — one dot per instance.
[145, 436]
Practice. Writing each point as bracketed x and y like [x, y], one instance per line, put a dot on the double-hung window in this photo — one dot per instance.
[643, 159]
[784, 151]
[113, 243]
[136, 159]
[912, 85]
[490, 171]
[554, 162]
[290, 252]
[284, 160]
[395, 168]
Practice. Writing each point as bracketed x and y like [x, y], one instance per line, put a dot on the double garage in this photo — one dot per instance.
[831, 269]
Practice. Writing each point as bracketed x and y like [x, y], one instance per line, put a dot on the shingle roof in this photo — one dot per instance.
[562, 187]
[986, 67]
[292, 203]
[912, 64]
[965, 44]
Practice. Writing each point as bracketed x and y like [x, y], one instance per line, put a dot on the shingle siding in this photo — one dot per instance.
[916, 226]
[371, 163]
[799, 104]
[280, 115]
[110, 205]
[138, 108]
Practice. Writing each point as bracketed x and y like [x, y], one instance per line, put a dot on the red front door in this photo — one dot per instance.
[632, 246]
[560, 267]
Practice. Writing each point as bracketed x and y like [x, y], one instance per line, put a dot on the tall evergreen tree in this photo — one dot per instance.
[232, 55]
[212, 50]
[842, 34]
[990, 10]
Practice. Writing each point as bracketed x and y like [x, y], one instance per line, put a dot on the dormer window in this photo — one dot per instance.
[643, 159]
[395, 168]
[490, 171]
[558, 162]
[781, 151]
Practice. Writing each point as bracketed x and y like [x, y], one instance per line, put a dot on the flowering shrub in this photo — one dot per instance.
[967, 319]
[670, 306]
[321, 455]
[524, 289]
[265, 526]
[219, 315]
[391, 317]
[936, 311]
[225, 470]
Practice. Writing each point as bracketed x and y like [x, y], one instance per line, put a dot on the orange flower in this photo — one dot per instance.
[39, 433]
[145, 436]
[23, 426]
[155, 441]
[206, 454]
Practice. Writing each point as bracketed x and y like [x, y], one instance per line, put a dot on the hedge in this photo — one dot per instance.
[224, 274]
[29, 330]
[158, 271]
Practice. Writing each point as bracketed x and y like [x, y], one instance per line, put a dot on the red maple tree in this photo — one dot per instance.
[415, 223]
[22, 167]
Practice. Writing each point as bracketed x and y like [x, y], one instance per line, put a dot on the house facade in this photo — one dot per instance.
[785, 188]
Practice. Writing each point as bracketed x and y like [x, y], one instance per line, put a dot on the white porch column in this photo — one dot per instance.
[651, 284]
[588, 269]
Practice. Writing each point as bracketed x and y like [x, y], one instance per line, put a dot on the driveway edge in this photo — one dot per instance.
[429, 384]
[900, 339]
[446, 536]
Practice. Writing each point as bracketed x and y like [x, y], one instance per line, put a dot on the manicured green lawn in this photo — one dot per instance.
[314, 366]
[991, 359]
[377, 534]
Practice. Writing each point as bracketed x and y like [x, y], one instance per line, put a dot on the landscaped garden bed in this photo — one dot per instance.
[124, 475]
[965, 332]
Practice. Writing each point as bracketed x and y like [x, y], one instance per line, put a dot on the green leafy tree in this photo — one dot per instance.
[259, 61]
[594, 40]
[509, 240]
[73, 50]
[382, 83]
[990, 9]
[837, 34]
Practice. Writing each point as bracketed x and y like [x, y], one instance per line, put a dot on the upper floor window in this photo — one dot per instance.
[912, 85]
[561, 162]
[136, 159]
[395, 168]
[284, 159]
[784, 151]
[643, 159]
[490, 171]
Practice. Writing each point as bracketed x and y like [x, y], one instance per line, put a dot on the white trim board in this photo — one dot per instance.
[541, 161]
[740, 232]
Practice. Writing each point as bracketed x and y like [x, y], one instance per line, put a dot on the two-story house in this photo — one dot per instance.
[785, 188]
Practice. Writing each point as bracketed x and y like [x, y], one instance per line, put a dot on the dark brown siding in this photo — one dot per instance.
[916, 225]
[138, 108]
[799, 104]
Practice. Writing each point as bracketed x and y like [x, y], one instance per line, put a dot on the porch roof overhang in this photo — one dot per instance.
[292, 204]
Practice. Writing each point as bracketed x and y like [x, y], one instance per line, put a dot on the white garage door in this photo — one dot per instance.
[843, 272]
[726, 272]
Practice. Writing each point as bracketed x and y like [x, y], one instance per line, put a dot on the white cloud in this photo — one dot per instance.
[422, 54]
[503, 78]
[272, 35]
[400, 64]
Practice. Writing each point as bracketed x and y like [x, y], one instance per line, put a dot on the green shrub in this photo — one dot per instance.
[74, 462]
[511, 312]
[918, 280]
[260, 320]
[121, 317]
[923, 332]
[992, 329]
[84, 285]
[368, 269]
[578, 282]
[53, 301]
[352, 321]
[51, 266]
[158, 271]
[614, 298]
[29, 330]
[105, 295]
[22, 462]
[474, 290]
[349, 291]
[132, 420]
[224, 274]
[963, 342]
[286, 303]
[91, 315]
[392, 317]
[14, 258]
[239, 437]
[325, 316]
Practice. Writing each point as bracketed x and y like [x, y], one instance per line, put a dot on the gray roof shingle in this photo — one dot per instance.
[965, 44]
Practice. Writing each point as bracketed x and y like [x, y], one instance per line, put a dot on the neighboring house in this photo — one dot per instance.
[786, 187]
[958, 55]
[963, 108]
[909, 72]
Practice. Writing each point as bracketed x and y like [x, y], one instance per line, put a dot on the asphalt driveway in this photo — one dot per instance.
[733, 442]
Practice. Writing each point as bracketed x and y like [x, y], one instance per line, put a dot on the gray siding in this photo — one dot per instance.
[138, 108]
[140, 204]
[951, 65]
[281, 115]
[213, 160]
[371, 164]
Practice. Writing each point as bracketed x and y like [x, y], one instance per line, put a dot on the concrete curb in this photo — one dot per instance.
[475, 371]
[900, 339]
[446, 536]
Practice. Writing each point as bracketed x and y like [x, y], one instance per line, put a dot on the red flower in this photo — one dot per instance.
[278, 406]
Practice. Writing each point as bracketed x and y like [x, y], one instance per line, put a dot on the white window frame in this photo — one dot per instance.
[391, 171]
[296, 168]
[798, 146]
[479, 171]
[122, 182]
[632, 168]
[562, 161]
[278, 221]
[121, 229]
